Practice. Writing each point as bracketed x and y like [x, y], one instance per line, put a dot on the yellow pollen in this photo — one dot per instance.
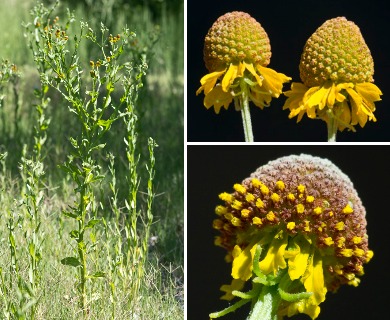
[236, 222]
[354, 282]
[356, 240]
[309, 199]
[340, 242]
[226, 197]
[307, 226]
[338, 270]
[328, 241]
[340, 226]
[264, 189]
[369, 255]
[300, 196]
[358, 252]
[319, 229]
[217, 241]
[331, 213]
[359, 269]
[323, 224]
[245, 213]
[256, 183]
[220, 210]
[349, 276]
[259, 203]
[217, 224]
[300, 208]
[301, 188]
[237, 205]
[280, 185]
[275, 197]
[229, 216]
[291, 197]
[347, 209]
[291, 225]
[239, 188]
[250, 197]
[257, 221]
[270, 216]
[347, 252]
[317, 210]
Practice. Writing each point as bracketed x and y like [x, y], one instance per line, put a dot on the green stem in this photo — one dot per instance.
[267, 305]
[332, 126]
[245, 113]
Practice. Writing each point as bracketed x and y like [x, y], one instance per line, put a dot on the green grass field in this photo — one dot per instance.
[122, 214]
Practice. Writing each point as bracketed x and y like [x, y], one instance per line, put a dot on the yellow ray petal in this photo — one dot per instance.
[208, 81]
[358, 116]
[274, 258]
[251, 69]
[313, 279]
[217, 98]
[237, 284]
[298, 263]
[273, 81]
[229, 77]
[243, 262]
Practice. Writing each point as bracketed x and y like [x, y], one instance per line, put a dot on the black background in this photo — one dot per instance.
[288, 24]
[214, 169]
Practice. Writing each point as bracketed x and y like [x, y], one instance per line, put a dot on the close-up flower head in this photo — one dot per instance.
[237, 52]
[295, 229]
[337, 70]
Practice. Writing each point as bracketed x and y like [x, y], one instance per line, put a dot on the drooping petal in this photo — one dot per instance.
[229, 77]
[298, 263]
[358, 116]
[369, 91]
[313, 279]
[259, 98]
[318, 98]
[251, 69]
[294, 101]
[217, 98]
[273, 81]
[237, 284]
[274, 258]
[208, 81]
[243, 262]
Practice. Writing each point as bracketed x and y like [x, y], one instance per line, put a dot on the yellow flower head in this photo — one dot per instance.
[237, 49]
[337, 70]
[307, 247]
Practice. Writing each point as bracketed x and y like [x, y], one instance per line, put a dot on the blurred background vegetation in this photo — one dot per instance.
[159, 25]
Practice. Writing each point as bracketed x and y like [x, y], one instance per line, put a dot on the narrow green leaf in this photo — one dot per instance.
[74, 234]
[69, 214]
[71, 261]
[98, 274]
[91, 223]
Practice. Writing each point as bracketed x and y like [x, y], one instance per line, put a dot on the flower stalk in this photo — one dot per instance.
[245, 112]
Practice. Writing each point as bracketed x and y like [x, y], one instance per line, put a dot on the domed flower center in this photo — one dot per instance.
[337, 52]
[234, 37]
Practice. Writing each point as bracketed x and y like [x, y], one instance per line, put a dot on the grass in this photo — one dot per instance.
[160, 116]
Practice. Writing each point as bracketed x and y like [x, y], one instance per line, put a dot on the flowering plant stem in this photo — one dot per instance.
[246, 116]
[332, 127]
[267, 304]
